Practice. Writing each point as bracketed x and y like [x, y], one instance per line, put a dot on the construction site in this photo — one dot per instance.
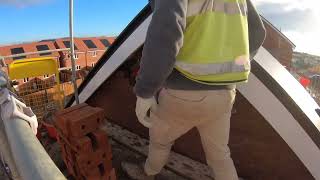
[79, 94]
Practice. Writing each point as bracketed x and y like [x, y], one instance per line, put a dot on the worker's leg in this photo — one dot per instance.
[162, 137]
[172, 118]
[214, 133]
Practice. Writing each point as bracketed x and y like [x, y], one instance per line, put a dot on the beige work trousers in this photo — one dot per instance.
[179, 111]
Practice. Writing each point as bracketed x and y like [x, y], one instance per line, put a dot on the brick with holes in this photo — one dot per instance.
[79, 121]
[85, 148]
[111, 175]
[60, 122]
[97, 174]
[91, 160]
[91, 142]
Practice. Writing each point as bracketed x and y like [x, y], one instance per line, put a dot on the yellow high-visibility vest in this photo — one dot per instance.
[216, 42]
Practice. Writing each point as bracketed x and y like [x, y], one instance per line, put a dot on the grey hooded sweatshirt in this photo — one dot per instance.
[163, 42]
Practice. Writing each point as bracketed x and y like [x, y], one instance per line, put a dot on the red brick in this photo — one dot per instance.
[87, 154]
[111, 175]
[70, 109]
[86, 121]
[60, 121]
[101, 138]
[71, 168]
[89, 161]
[80, 122]
[96, 140]
[100, 174]
[83, 145]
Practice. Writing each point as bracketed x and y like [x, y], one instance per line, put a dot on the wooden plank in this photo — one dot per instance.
[177, 163]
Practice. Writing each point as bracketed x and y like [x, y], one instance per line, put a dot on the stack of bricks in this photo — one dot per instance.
[85, 148]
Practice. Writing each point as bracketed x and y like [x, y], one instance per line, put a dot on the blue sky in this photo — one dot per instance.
[29, 20]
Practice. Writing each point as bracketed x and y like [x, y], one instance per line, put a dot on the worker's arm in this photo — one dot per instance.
[162, 45]
[257, 32]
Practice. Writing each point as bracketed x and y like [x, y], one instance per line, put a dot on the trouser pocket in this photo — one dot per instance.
[186, 96]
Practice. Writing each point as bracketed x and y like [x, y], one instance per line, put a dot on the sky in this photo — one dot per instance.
[299, 20]
[29, 20]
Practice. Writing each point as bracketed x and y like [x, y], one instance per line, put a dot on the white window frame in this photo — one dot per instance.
[94, 53]
[78, 67]
[93, 64]
[76, 56]
[25, 80]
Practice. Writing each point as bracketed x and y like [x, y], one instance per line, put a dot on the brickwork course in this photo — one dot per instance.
[278, 44]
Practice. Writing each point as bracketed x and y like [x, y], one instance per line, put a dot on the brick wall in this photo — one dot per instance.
[278, 45]
[87, 57]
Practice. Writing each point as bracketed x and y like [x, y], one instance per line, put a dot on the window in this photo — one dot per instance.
[90, 44]
[67, 45]
[17, 51]
[78, 67]
[43, 48]
[93, 64]
[46, 76]
[76, 56]
[25, 80]
[105, 42]
[93, 53]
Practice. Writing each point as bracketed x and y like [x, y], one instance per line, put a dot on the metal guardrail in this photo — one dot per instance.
[25, 154]
[314, 89]
[37, 52]
[31, 159]
[6, 156]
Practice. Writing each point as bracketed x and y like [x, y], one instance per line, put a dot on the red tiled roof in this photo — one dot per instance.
[28, 47]
[82, 46]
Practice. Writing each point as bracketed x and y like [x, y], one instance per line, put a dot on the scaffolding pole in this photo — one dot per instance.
[74, 78]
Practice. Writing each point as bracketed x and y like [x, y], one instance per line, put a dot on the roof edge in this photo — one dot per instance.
[276, 29]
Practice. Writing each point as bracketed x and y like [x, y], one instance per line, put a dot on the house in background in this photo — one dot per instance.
[28, 47]
[88, 51]
[65, 58]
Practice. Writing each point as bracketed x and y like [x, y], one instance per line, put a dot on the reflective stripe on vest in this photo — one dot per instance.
[215, 68]
[216, 42]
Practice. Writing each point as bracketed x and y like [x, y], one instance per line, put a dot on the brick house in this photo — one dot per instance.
[87, 51]
[65, 58]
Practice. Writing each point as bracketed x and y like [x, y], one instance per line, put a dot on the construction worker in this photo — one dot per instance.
[195, 53]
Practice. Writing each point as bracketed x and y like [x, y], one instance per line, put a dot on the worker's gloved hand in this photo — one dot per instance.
[142, 108]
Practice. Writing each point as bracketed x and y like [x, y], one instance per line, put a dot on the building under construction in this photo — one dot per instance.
[275, 127]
